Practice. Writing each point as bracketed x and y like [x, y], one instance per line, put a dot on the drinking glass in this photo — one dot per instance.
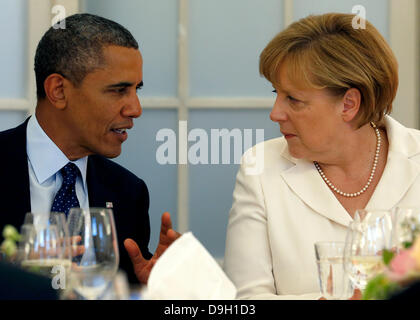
[406, 226]
[95, 251]
[334, 283]
[367, 236]
[44, 243]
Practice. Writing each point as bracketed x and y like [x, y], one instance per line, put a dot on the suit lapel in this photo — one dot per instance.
[400, 170]
[399, 174]
[98, 192]
[305, 181]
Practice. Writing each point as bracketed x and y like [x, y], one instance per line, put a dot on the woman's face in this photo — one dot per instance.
[310, 119]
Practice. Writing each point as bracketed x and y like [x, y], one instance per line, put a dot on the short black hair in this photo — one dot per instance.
[76, 50]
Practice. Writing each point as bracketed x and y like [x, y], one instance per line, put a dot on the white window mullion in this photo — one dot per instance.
[183, 93]
[404, 35]
[288, 12]
[230, 103]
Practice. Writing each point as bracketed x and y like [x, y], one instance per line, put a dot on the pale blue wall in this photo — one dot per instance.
[211, 186]
[10, 119]
[13, 66]
[225, 41]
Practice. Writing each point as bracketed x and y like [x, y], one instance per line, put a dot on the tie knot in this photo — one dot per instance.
[69, 173]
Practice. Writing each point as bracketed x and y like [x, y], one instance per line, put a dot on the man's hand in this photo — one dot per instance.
[142, 267]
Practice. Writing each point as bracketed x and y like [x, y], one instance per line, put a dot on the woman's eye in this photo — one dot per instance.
[292, 99]
[275, 91]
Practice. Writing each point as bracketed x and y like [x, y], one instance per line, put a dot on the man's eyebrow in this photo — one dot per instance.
[123, 84]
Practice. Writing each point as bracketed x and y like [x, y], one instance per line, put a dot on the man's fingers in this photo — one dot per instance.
[173, 235]
[166, 223]
[78, 251]
[134, 252]
[169, 238]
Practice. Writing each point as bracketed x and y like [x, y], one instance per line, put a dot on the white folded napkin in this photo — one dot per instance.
[187, 271]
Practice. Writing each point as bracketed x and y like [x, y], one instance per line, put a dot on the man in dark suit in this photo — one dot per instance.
[87, 79]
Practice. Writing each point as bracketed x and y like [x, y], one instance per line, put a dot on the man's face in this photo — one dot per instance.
[100, 109]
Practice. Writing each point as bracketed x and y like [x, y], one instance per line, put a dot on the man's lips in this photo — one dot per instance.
[122, 129]
[121, 132]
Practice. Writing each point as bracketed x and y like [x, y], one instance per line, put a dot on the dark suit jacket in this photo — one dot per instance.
[17, 284]
[106, 181]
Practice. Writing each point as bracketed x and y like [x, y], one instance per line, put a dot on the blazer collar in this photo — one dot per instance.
[399, 174]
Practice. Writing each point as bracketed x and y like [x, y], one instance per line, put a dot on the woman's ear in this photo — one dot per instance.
[54, 90]
[351, 104]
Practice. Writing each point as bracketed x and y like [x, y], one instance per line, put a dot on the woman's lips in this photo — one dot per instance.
[288, 135]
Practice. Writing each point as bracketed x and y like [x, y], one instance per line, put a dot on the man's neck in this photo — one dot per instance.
[56, 129]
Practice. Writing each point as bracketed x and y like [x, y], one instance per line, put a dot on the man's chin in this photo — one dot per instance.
[110, 153]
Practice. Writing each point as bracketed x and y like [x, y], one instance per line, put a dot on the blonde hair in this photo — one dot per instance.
[326, 52]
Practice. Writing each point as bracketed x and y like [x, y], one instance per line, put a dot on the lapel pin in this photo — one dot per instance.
[109, 205]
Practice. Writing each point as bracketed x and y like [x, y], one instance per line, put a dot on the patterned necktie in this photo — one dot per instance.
[66, 197]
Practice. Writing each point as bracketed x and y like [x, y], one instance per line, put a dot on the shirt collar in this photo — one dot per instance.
[44, 155]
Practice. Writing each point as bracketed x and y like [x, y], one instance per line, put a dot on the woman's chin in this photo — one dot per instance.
[296, 152]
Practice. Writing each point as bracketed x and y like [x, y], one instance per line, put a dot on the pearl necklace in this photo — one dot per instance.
[375, 162]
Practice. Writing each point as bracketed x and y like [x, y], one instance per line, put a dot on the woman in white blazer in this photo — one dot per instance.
[339, 152]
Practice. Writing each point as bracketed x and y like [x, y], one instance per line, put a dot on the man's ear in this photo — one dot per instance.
[351, 104]
[54, 90]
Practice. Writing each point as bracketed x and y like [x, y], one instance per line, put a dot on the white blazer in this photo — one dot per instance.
[279, 214]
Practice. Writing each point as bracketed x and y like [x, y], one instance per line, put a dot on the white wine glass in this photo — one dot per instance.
[94, 240]
[367, 237]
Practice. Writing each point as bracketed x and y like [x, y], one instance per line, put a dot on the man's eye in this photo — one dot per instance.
[138, 88]
[275, 91]
[120, 90]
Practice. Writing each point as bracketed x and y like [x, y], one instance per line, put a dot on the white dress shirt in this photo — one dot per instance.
[45, 160]
[279, 214]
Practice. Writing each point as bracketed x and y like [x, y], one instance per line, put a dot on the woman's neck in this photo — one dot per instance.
[355, 152]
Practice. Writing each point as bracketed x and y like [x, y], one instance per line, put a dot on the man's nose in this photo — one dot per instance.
[133, 107]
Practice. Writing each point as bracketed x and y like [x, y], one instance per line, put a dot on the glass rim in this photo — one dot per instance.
[91, 209]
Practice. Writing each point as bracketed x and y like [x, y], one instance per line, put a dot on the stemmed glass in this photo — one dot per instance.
[44, 244]
[406, 226]
[95, 251]
[367, 236]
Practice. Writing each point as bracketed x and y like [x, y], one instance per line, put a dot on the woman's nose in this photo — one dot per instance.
[278, 113]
